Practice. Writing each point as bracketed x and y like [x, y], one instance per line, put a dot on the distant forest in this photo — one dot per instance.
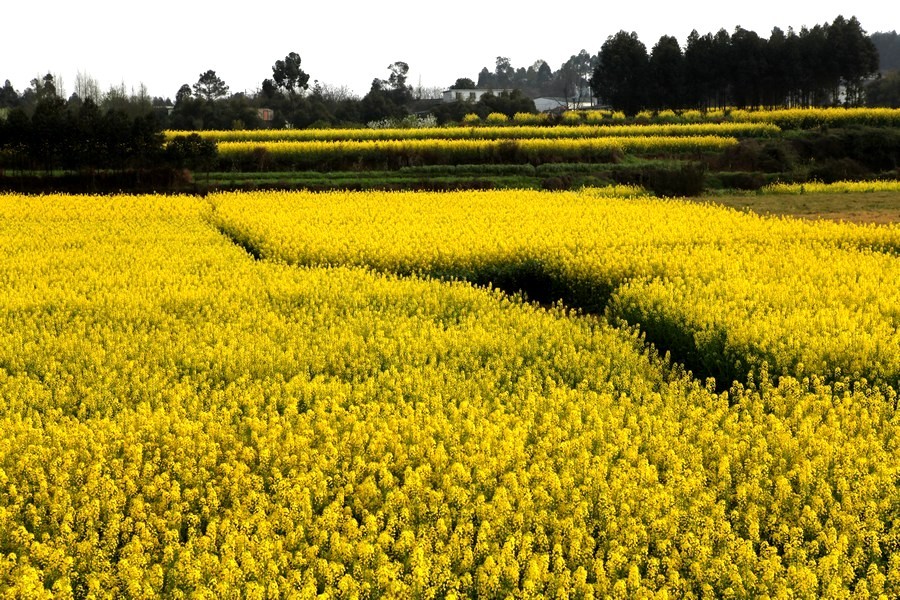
[888, 46]
[835, 63]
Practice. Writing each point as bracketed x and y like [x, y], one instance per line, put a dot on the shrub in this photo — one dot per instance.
[770, 156]
[562, 182]
[524, 118]
[876, 148]
[839, 169]
[689, 180]
[742, 180]
[191, 151]
[596, 116]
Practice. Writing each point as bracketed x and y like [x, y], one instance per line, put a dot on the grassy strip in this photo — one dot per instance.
[629, 163]
[345, 181]
[852, 207]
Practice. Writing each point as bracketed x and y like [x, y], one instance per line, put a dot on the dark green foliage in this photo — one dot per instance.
[288, 75]
[825, 65]
[508, 103]
[838, 169]
[50, 131]
[622, 75]
[741, 180]
[667, 74]
[875, 148]
[766, 156]
[855, 57]
[562, 182]
[387, 98]
[193, 152]
[9, 97]
[687, 179]
[155, 180]
[210, 86]
[748, 68]
[888, 46]
[451, 112]
[884, 91]
[78, 136]
[197, 112]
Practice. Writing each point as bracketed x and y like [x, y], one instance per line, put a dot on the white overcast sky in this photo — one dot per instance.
[165, 43]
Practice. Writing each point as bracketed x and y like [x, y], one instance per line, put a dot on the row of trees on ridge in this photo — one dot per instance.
[825, 65]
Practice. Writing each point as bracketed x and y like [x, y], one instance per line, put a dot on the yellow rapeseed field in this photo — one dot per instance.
[179, 419]
[838, 187]
[808, 118]
[744, 129]
[730, 291]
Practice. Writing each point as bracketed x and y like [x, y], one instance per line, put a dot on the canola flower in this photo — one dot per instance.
[809, 118]
[748, 129]
[727, 292]
[784, 118]
[178, 419]
[837, 187]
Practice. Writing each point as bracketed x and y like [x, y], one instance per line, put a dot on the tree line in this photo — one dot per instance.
[78, 134]
[825, 65]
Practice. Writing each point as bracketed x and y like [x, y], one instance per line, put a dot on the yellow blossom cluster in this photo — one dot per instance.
[810, 118]
[837, 187]
[748, 129]
[179, 419]
[785, 118]
[725, 291]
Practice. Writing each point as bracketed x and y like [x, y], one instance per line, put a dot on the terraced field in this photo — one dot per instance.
[334, 395]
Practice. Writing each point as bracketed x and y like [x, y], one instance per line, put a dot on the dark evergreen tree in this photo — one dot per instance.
[210, 86]
[50, 130]
[884, 91]
[508, 103]
[748, 69]
[187, 113]
[856, 58]
[288, 76]
[721, 65]
[486, 79]
[777, 77]
[621, 78]
[667, 75]
[503, 73]
[9, 97]
[888, 46]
